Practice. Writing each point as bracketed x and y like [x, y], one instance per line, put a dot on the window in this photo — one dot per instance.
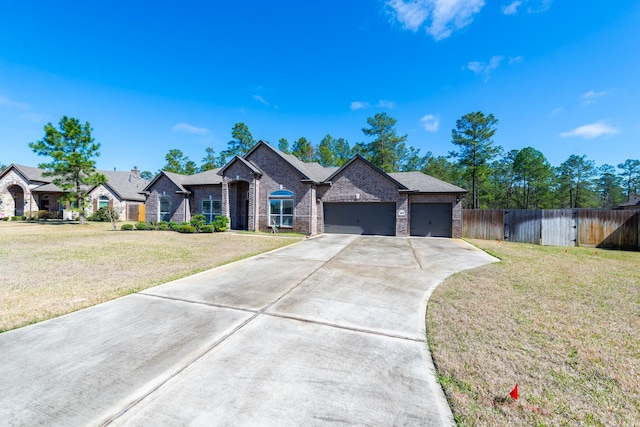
[281, 209]
[103, 201]
[165, 208]
[210, 208]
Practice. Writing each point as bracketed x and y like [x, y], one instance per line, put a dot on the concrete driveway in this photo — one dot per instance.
[327, 331]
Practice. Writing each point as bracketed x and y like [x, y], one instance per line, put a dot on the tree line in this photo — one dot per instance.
[520, 179]
[515, 179]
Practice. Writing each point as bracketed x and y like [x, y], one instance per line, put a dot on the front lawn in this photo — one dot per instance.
[53, 268]
[564, 323]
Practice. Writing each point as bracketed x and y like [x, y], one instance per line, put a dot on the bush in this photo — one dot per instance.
[207, 228]
[220, 223]
[16, 218]
[126, 227]
[163, 226]
[198, 221]
[174, 226]
[141, 226]
[186, 228]
[104, 214]
[6, 218]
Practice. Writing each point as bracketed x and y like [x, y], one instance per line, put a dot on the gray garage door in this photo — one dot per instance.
[360, 218]
[430, 219]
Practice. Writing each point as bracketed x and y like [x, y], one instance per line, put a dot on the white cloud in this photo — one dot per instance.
[485, 69]
[383, 103]
[556, 111]
[440, 17]
[6, 102]
[539, 6]
[430, 122]
[512, 8]
[187, 128]
[591, 131]
[533, 6]
[359, 105]
[411, 14]
[260, 99]
[591, 97]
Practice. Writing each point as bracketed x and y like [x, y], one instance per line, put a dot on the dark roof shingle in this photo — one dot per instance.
[422, 183]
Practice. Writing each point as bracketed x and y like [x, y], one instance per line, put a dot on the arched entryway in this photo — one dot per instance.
[239, 205]
[17, 194]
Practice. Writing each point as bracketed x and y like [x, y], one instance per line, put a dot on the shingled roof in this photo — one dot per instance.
[210, 177]
[124, 184]
[30, 173]
[310, 171]
[421, 183]
[631, 203]
[416, 182]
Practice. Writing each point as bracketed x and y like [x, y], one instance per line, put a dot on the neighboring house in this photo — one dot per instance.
[631, 204]
[267, 188]
[24, 189]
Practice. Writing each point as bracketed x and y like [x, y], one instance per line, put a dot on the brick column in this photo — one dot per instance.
[225, 199]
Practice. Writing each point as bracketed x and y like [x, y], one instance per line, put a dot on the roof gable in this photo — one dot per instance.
[237, 159]
[176, 178]
[379, 171]
[30, 174]
[311, 171]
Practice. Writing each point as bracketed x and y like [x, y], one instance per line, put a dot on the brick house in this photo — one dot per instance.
[25, 189]
[267, 188]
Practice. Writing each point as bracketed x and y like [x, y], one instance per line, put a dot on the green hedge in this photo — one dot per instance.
[220, 223]
[187, 228]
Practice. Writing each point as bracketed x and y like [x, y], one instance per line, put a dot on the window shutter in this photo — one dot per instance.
[95, 205]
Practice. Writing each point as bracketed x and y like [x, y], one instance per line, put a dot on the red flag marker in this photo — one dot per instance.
[514, 392]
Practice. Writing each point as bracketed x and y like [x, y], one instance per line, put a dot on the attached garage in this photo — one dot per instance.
[360, 218]
[431, 219]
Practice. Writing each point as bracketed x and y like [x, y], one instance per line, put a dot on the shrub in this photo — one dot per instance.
[220, 223]
[207, 228]
[104, 214]
[163, 226]
[33, 215]
[198, 221]
[16, 218]
[174, 226]
[6, 218]
[141, 226]
[126, 227]
[186, 228]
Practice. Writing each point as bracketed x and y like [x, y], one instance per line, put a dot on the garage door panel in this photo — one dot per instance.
[360, 218]
[431, 219]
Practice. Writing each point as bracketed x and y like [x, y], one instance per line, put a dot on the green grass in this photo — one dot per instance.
[562, 322]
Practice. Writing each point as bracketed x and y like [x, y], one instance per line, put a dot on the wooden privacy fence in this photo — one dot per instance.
[555, 227]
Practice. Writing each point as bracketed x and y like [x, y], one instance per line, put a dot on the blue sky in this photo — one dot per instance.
[560, 76]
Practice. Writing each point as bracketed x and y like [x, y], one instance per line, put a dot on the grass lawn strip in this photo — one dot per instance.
[50, 269]
[562, 322]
